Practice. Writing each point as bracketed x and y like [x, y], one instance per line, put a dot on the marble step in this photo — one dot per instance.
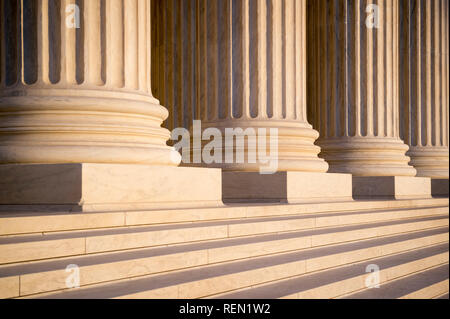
[31, 278]
[343, 281]
[38, 247]
[209, 280]
[41, 222]
[426, 284]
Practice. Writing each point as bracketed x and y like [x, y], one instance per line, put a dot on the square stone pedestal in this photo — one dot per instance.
[285, 187]
[439, 187]
[391, 187]
[107, 187]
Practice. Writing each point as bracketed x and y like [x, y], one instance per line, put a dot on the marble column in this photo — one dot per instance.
[239, 64]
[424, 85]
[79, 126]
[75, 84]
[353, 87]
[353, 94]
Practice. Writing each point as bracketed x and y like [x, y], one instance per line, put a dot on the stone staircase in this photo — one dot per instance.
[237, 251]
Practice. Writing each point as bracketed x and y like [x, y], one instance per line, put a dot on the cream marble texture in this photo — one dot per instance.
[424, 112]
[99, 187]
[80, 95]
[397, 187]
[353, 79]
[87, 176]
[237, 64]
[287, 187]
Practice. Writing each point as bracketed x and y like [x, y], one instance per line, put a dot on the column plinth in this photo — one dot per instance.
[79, 126]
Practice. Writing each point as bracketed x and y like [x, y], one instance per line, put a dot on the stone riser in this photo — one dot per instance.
[429, 284]
[38, 282]
[176, 286]
[110, 257]
[429, 292]
[342, 287]
[353, 284]
[19, 249]
[345, 281]
[40, 222]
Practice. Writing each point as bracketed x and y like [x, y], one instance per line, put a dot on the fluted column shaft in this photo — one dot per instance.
[79, 93]
[353, 87]
[239, 64]
[424, 117]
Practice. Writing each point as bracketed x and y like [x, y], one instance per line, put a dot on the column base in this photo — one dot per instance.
[286, 187]
[366, 156]
[391, 187]
[106, 187]
[439, 187]
[430, 161]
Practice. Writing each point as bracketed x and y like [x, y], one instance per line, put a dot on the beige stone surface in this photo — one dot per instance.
[216, 284]
[424, 84]
[60, 106]
[28, 248]
[87, 177]
[344, 281]
[162, 293]
[429, 281]
[249, 71]
[185, 215]
[9, 287]
[413, 244]
[22, 223]
[439, 187]
[367, 217]
[35, 222]
[290, 187]
[153, 238]
[333, 260]
[93, 274]
[103, 270]
[358, 234]
[414, 266]
[257, 249]
[430, 291]
[332, 290]
[353, 89]
[94, 187]
[40, 249]
[395, 187]
[270, 226]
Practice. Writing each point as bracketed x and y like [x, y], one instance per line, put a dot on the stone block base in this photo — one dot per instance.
[290, 187]
[391, 187]
[107, 187]
[439, 187]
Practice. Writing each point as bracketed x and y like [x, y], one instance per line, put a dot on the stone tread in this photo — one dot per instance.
[342, 281]
[50, 275]
[24, 248]
[210, 280]
[218, 249]
[41, 222]
[232, 244]
[426, 284]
